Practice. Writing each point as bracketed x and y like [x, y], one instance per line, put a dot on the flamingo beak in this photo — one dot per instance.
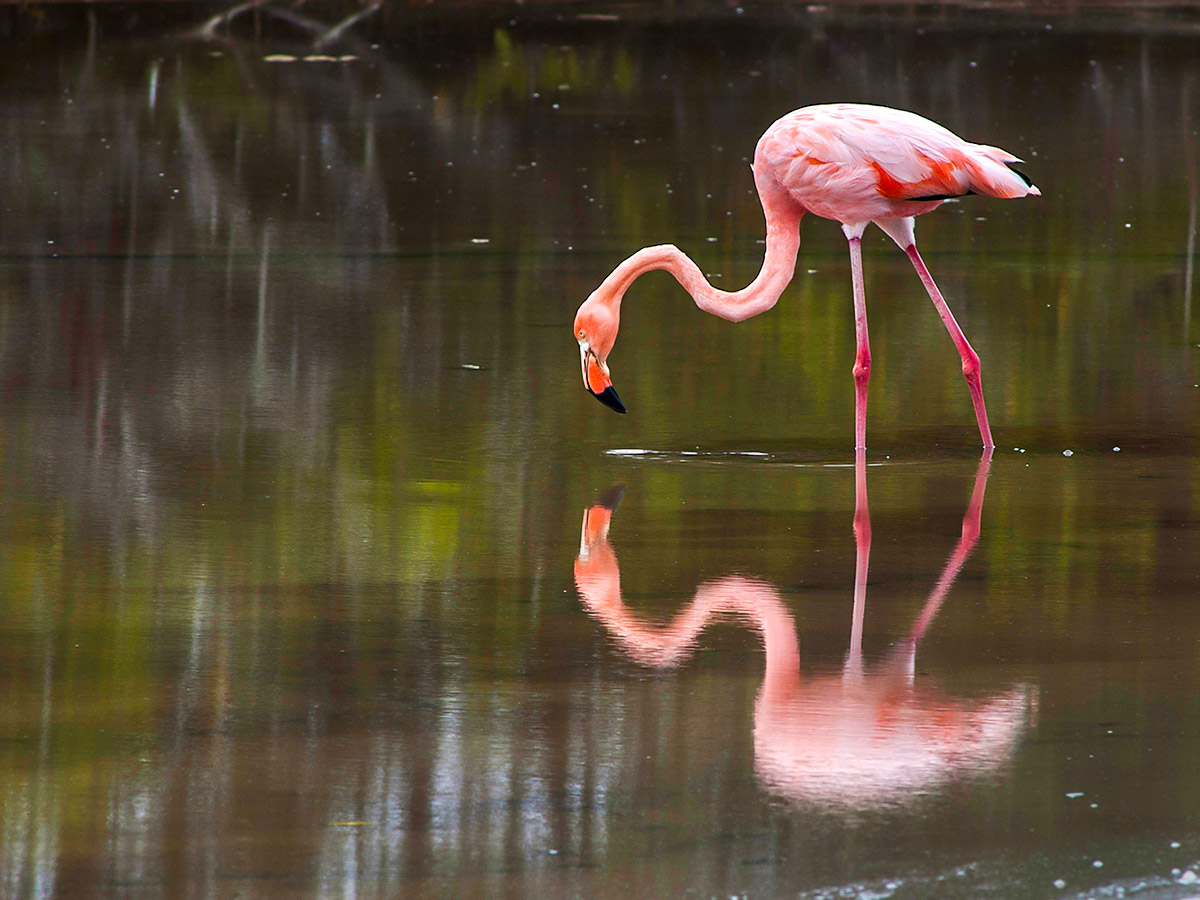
[597, 518]
[597, 380]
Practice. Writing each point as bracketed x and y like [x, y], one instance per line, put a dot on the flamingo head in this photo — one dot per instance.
[596, 326]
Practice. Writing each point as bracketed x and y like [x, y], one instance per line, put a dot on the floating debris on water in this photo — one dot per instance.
[1068, 453]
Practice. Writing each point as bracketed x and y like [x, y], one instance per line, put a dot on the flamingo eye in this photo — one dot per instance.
[581, 332]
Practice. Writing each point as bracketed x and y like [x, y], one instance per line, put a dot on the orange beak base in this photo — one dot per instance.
[600, 385]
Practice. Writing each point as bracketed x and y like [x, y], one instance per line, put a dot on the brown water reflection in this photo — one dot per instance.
[865, 738]
[292, 453]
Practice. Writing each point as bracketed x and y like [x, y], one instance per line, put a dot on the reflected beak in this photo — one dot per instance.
[597, 381]
[597, 518]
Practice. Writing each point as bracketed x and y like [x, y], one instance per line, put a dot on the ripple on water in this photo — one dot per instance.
[719, 457]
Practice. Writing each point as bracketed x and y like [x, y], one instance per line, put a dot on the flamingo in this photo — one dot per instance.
[849, 162]
[866, 737]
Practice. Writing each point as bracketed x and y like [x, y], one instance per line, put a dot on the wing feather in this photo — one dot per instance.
[863, 157]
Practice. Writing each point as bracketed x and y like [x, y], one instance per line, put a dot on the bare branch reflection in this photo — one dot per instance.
[868, 736]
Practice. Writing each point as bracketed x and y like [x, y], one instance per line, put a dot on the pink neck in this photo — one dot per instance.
[779, 264]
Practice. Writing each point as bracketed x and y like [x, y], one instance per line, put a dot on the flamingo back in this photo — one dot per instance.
[856, 163]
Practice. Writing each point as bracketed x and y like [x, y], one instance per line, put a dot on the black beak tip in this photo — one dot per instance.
[611, 497]
[610, 399]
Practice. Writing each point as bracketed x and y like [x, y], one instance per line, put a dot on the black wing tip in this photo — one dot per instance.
[942, 196]
[1025, 178]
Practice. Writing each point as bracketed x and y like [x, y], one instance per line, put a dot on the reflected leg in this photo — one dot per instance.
[862, 561]
[966, 543]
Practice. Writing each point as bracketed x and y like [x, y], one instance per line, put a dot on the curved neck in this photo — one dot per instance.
[779, 264]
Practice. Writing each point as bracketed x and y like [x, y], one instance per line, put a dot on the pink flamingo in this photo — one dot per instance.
[848, 162]
[865, 737]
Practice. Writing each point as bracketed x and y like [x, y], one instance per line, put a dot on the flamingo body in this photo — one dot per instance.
[850, 162]
[855, 163]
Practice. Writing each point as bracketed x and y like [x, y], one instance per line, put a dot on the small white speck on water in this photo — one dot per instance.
[481, 240]
[553, 852]
[711, 240]
[1094, 805]
[1128, 224]
[1188, 877]
[471, 366]
[1116, 449]
[1059, 883]
[1068, 453]
[1073, 794]
[1175, 845]
[1097, 864]
[811, 271]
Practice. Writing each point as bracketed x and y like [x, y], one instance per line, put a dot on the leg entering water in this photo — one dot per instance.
[862, 357]
[970, 359]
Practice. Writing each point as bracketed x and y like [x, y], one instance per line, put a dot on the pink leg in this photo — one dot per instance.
[862, 561]
[862, 358]
[970, 359]
[906, 652]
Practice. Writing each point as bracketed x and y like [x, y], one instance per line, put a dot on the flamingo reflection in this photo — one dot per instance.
[866, 737]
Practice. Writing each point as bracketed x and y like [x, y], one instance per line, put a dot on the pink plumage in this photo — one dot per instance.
[856, 163]
[850, 162]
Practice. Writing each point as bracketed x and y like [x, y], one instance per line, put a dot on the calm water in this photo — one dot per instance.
[313, 579]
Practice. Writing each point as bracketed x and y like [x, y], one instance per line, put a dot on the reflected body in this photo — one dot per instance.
[855, 164]
[857, 740]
